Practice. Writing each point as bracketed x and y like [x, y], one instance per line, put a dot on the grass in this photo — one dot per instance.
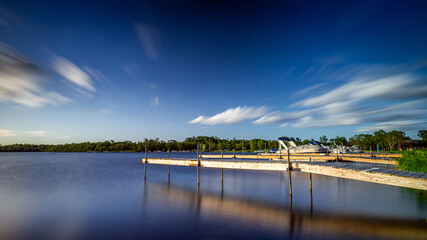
[414, 161]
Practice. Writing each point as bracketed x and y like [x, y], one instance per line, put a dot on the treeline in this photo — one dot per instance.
[189, 144]
[384, 140]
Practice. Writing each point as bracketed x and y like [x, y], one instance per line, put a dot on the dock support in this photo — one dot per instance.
[289, 172]
[311, 195]
[310, 182]
[222, 169]
[145, 164]
[337, 153]
[169, 166]
[198, 166]
[243, 149]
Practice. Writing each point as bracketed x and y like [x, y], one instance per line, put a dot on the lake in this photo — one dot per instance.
[104, 196]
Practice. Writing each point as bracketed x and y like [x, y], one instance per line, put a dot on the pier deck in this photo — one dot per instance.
[307, 157]
[342, 170]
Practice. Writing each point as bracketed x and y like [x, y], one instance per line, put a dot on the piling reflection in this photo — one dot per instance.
[288, 221]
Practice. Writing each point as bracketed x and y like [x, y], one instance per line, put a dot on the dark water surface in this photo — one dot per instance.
[104, 196]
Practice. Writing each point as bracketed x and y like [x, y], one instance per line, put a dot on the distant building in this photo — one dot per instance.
[412, 145]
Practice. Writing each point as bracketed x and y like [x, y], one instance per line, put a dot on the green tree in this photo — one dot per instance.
[340, 141]
[253, 145]
[323, 139]
[422, 134]
[362, 140]
[394, 137]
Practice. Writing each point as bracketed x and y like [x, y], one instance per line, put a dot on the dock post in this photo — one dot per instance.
[234, 153]
[169, 166]
[222, 169]
[310, 181]
[243, 149]
[145, 164]
[198, 165]
[342, 152]
[337, 153]
[289, 172]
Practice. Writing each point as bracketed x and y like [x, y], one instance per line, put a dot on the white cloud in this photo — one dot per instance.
[72, 73]
[394, 125]
[396, 87]
[8, 133]
[20, 81]
[231, 116]
[97, 75]
[13, 133]
[63, 137]
[36, 133]
[155, 102]
[309, 89]
[106, 111]
[394, 102]
[132, 69]
[147, 37]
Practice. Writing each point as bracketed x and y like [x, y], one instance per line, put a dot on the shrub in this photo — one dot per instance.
[414, 161]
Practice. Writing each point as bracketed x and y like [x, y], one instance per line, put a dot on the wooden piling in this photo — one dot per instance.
[243, 149]
[337, 153]
[222, 169]
[169, 166]
[145, 165]
[342, 152]
[198, 166]
[289, 172]
[310, 181]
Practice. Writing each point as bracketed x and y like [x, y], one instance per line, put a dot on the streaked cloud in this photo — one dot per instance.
[106, 111]
[36, 133]
[390, 88]
[8, 133]
[20, 81]
[72, 73]
[63, 137]
[148, 35]
[393, 102]
[13, 133]
[155, 102]
[231, 116]
[393, 125]
[97, 75]
[309, 89]
[132, 69]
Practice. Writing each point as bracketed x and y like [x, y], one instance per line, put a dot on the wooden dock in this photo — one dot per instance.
[342, 170]
[307, 157]
[372, 154]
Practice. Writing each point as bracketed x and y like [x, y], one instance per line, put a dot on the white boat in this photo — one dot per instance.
[286, 143]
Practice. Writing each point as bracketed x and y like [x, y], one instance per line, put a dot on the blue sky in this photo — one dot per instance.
[79, 71]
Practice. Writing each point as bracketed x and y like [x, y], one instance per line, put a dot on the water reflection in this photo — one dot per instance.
[295, 223]
[105, 196]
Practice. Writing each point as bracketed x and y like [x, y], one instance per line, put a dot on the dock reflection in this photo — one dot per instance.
[289, 221]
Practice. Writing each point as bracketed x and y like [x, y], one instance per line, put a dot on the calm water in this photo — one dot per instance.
[104, 196]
